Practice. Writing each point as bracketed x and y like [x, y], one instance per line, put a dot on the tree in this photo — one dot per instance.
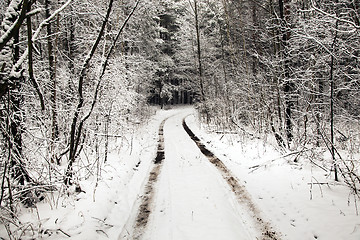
[77, 123]
[166, 82]
[12, 117]
[53, 81]
[198, 46]
[288, 85]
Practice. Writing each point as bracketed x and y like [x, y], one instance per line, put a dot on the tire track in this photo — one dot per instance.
[240, 191]
[148, 196]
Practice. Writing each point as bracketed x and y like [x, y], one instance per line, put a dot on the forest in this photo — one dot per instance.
[78, 75]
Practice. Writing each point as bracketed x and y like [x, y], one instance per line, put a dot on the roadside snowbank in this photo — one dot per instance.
[101, 210]
[300, 199]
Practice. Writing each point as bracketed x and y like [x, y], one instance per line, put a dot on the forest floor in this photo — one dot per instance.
[160, 185]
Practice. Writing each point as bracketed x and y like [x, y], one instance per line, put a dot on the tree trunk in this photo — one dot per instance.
[77, 123]
[319, 108]
[288, 86]
[332, 102]
[197, 28]
[70, 42]
[14, 115]
[52, 72]
[75, 132]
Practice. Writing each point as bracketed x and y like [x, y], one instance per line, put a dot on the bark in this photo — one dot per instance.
[30, 60]
[106, 130]
[319, 100]
[332, 66]
[276, 82]
[14, 113]
[14, 28]
[20, 61]
[3, 89]
[288, 86]
[254, 38]
[52, 72]
[71, 46]
[18, 171]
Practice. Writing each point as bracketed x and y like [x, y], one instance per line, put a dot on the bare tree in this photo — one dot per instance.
[78, 124]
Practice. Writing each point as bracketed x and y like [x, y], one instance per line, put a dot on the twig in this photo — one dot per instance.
[272, 160]
[355, 203]
[28, 226]
[46, 187]
[63, 232]
[334, 16]
[322, 195]
[3, 182]
[319, 183]
[317, 165]
[10, 198]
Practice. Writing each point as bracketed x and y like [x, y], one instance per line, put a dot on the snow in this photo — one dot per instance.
[282, 188]
[192, 200]
[78, 215]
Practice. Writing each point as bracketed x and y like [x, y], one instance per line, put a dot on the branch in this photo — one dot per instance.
[116, 39]
[34, 38]
[316, 41]
[3, 89]
[10, 33]
[334, 16]
[103, 70]
[74, 140]
[30, 60]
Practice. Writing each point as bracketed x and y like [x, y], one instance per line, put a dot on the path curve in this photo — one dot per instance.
[190, 198]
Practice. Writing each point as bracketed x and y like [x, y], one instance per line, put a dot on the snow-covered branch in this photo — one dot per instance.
[35, 36]
[5, 38]
[333, 16]
[104, 65]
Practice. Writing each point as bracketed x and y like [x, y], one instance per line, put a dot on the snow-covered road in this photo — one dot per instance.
[191, 198]
[249, 191]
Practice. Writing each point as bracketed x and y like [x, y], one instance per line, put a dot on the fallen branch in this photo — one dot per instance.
[255, 167]
[60, 230]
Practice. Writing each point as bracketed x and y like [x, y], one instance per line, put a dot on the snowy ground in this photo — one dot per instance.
[285, 191]
[191, 200]
[99, 212]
